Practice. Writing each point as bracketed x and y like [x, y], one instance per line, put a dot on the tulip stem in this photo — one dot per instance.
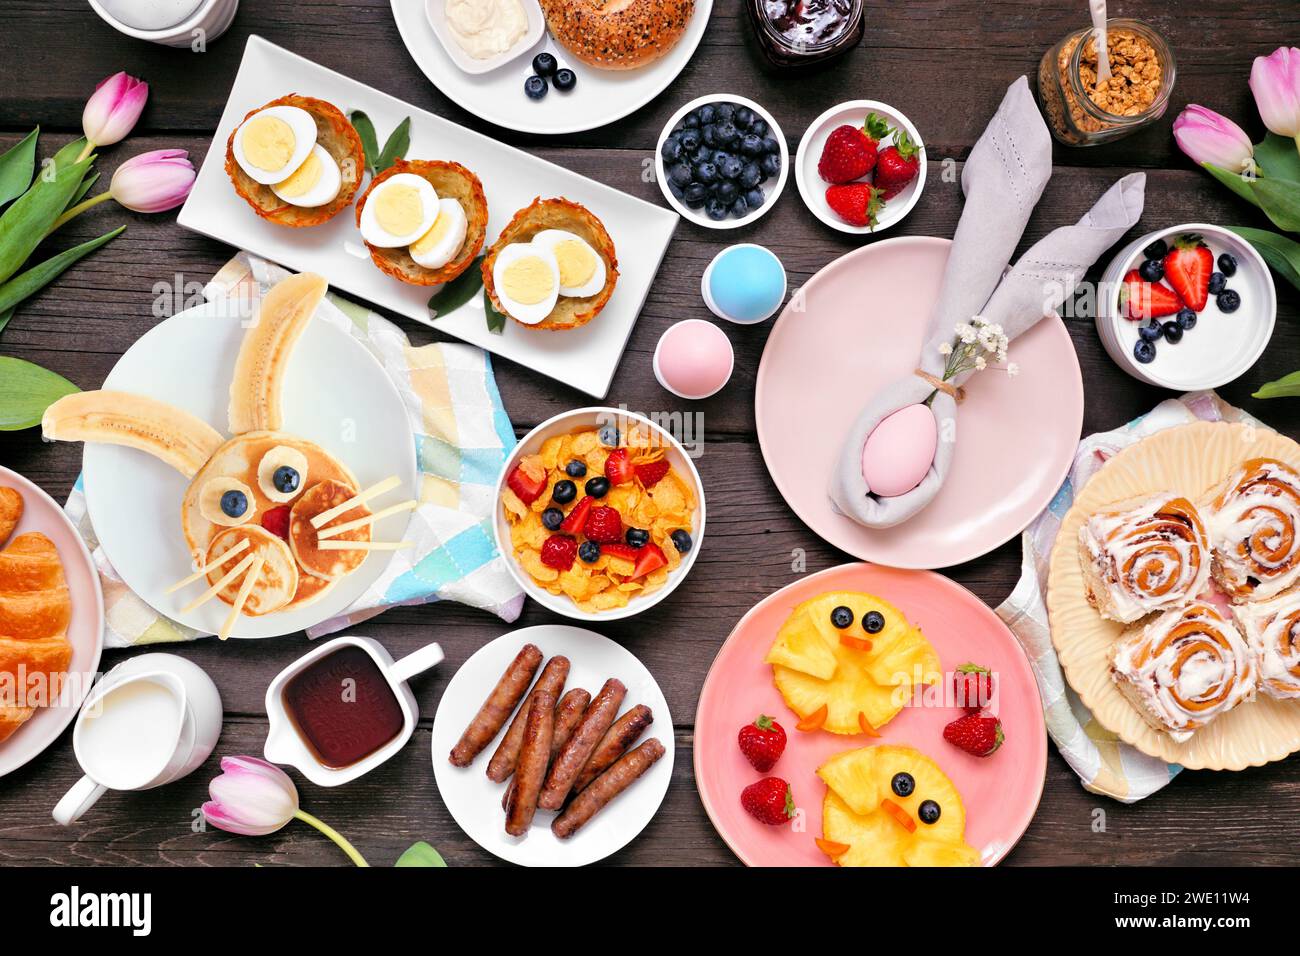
[334, 835]
[81, 207]
[86, 150]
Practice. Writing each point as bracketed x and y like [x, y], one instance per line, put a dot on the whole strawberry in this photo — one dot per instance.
[978, 734]
[769, 801]
[558, 551]
[858, 204]
[603, 525]
[850, 151]
[897, 165]
[972, 687]
[762, 742]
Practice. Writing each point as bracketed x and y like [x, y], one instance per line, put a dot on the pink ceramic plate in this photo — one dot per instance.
[85, 631]
[1001, 792]
[857, 325]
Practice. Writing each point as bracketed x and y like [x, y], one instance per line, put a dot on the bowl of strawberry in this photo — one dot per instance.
[860, 167]
[1188, 307]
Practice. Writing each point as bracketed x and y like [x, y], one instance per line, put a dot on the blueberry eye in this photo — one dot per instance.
[873, 622]
[903, 784]
[286, 479]
[842, 617]
[234, 504]
[929, 812]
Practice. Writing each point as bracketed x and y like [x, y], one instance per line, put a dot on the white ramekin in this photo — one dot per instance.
[208, 22]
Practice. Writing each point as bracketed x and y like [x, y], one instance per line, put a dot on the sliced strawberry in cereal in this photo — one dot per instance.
[526, 483]
[650, 473]
[625, 551]
[558, 551]
[577, 517]
[604, 525]
[652, 559]
[617, 467]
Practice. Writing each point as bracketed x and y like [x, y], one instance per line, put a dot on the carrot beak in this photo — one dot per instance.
[866, 725]
[813, 721]
[899, 814]
[857, 643]
[831, 848]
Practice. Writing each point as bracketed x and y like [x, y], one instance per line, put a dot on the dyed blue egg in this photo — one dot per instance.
[744, 283]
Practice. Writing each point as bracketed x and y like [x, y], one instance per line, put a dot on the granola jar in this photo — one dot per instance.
[1081, 113]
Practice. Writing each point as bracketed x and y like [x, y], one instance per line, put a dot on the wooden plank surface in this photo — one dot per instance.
[943, 63]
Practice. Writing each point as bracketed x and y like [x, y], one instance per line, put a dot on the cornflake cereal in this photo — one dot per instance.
[645, 493]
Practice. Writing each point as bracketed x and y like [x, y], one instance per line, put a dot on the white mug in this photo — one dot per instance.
[207, 22]
[284, 745]
[150, 720]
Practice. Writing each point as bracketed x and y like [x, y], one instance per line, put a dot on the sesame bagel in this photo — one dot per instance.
[617, 34]
[450, 181]
[569, 312]
[335, 135]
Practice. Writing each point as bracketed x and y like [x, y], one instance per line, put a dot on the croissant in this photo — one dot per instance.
[11, 512]
[35, 608]
[1255, 527]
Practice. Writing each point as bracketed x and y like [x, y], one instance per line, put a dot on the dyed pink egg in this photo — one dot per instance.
[899, 451]
[693, 359]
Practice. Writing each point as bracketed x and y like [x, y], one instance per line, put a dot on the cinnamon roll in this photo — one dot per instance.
[1253, 517]
[1148, 557]
[1184, 668]
[1272, 629]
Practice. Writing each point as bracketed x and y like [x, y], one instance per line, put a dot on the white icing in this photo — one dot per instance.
[1254, 512]
[1273, 631]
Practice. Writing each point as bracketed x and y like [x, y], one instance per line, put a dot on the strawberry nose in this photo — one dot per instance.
[901, 816]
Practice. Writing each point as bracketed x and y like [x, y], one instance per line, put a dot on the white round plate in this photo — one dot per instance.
[475, 801]
[600, 97]
[335, 394]
[85, 629]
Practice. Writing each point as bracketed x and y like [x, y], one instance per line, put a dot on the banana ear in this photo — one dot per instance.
[264, 355]
[178, 438]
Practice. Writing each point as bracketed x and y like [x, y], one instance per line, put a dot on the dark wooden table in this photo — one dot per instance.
[946, 65]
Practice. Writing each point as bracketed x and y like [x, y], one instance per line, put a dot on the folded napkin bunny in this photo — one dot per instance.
[1002, 181]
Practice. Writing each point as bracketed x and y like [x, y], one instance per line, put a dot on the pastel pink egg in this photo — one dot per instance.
[899, 451]
[693, 359]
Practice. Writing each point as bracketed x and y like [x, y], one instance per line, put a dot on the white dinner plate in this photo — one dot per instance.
[584, 358]
[475, 801]
[600, 96]
[335, 394]
[85, 628]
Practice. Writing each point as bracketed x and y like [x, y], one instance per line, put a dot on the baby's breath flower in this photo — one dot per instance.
[1013, 369]
[945, 348]
[980, 364]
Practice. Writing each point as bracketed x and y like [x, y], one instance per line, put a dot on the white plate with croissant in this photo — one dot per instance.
[51, 620]
[1174, 595]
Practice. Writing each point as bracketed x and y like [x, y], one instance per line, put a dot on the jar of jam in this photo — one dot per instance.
[796, 33]
[1082, 112]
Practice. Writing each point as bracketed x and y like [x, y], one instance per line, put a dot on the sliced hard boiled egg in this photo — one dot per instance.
[399, 211]
[282, 473]
[274, 142]
[226, 501]
[582, 270]
[443, 241]
[316, 182]
[527, 281]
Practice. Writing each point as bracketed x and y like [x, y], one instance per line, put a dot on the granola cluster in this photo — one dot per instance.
[1134, 84]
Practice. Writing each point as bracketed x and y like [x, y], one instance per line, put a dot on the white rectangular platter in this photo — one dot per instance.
[584, 358]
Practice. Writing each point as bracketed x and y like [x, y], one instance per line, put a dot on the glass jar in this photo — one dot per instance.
[798, 33]
[1142, 70]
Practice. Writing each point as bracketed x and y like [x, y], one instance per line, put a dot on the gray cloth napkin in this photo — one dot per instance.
[1002, 182]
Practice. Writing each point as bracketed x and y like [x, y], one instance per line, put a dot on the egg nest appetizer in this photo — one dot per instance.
[297, 161]
[599, 521]
[440, 203]
[552, 267]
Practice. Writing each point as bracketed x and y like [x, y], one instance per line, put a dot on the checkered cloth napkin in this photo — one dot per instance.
[462, 438]
[1105, 764]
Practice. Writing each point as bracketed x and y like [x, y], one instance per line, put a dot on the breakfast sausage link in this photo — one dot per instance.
[569, 761]
[606, 787]
[534, 755]
[500, 703]
[502, 764]
[567, 714]
[614, 744]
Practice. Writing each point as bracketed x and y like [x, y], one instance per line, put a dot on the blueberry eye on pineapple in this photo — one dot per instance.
[903, 784]
[928, 812]
[282, 474]
[873, 622]
[842, 617]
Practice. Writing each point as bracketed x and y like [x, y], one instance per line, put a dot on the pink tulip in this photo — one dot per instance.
[250, 797]
[113, 109]
[153, 181]
[1275, 81]
[1208, 137]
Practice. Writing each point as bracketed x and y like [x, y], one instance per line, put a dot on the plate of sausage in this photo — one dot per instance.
[552, 746]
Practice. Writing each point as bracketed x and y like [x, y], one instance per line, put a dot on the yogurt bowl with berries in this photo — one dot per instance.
[1188, 307]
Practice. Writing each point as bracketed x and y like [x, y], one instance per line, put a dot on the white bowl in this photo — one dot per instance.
[436, 13]
[771, 189]
[813, 188]
[563, 424]
[1222, 346]
[209, 21]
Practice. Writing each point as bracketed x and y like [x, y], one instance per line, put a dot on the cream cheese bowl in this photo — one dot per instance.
[1223, 346]
[436, 13]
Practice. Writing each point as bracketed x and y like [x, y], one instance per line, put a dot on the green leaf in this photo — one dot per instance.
[38, 276]
[366, 130]
[457, 292]
[398, 143]
[1286, 387]
[16, 167]
[1280, 200]
[1281, 253]
[1234, 181]
[86, 182]
[1277, 157]
[26, 390]
[421, 854]
[25, 223]
[496, 322]
[4, 319]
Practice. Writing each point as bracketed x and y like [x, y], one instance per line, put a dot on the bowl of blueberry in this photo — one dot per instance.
[1188, 307]
[721, 161]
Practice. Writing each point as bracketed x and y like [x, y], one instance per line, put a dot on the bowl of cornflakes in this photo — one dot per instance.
[600, 515]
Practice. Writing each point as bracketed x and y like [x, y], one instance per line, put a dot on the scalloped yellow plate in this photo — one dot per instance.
[1191, 458]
